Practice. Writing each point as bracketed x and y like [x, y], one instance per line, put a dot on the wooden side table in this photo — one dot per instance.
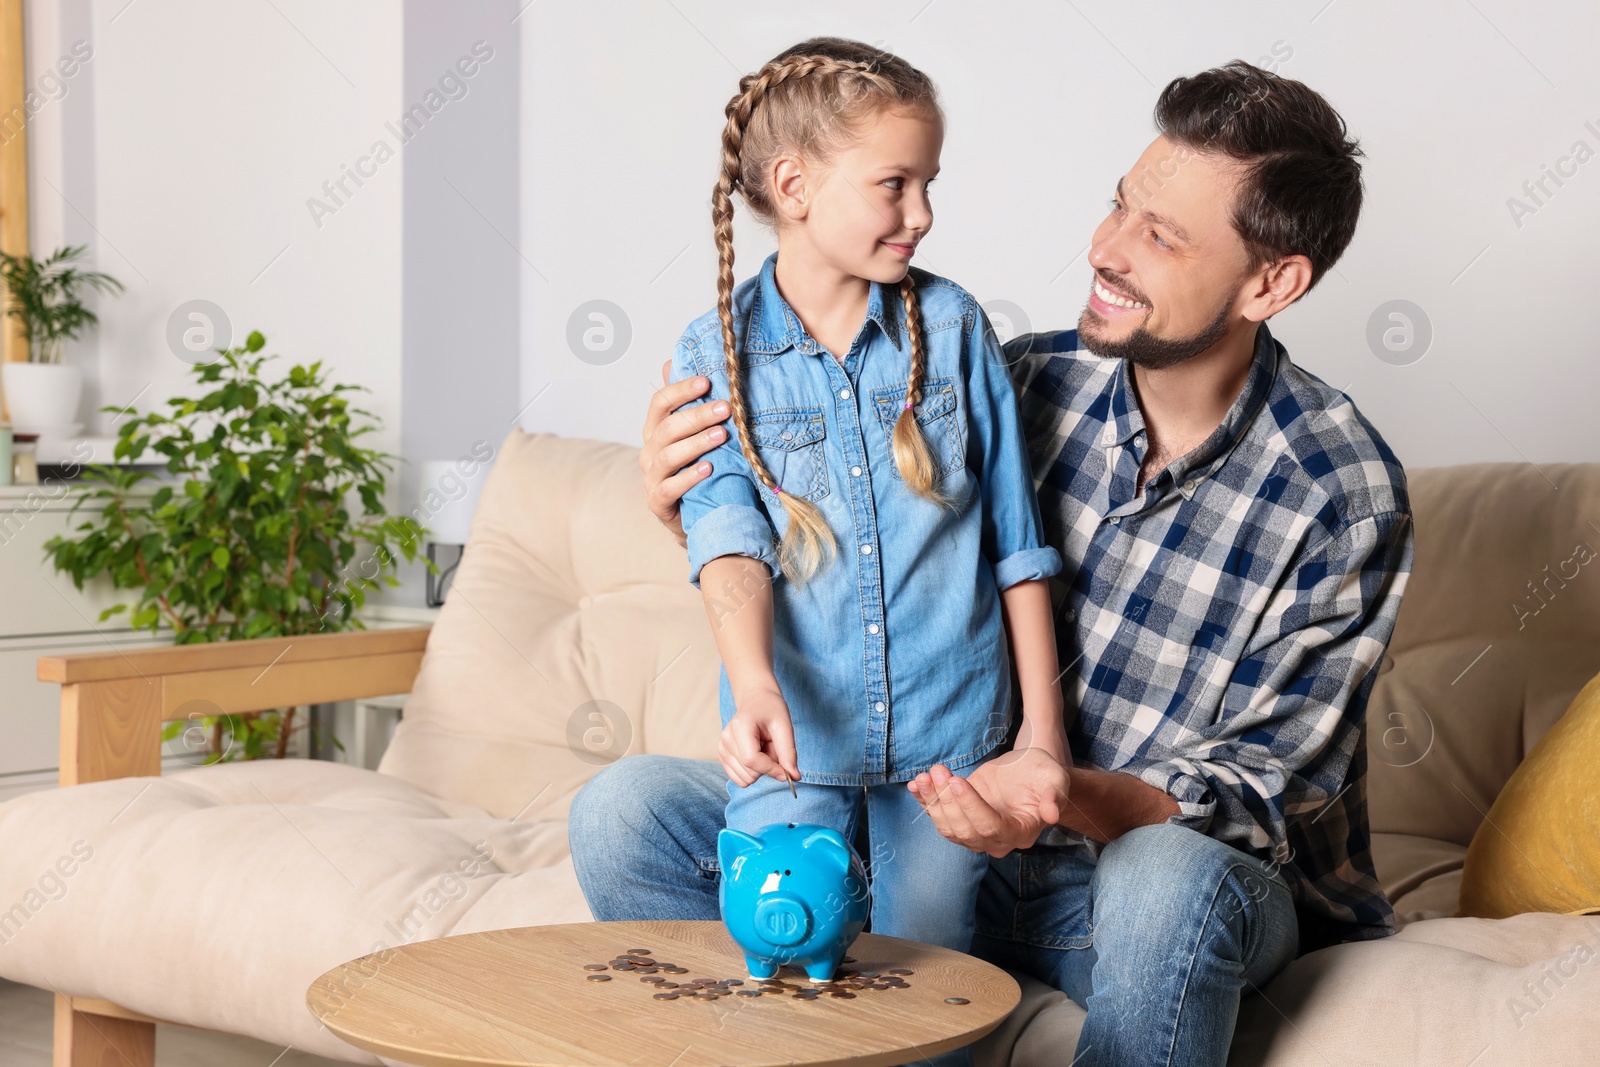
[520, 997]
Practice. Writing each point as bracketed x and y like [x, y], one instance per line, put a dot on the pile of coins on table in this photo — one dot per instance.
[651, 971]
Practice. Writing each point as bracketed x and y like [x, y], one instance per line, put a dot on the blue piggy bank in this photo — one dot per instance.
[795, 894]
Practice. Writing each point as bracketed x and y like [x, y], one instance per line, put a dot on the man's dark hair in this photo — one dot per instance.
[1300, 193]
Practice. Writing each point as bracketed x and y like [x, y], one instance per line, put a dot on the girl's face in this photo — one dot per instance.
[865, 213]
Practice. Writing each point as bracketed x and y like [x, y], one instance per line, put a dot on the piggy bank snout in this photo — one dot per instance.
[782, 918]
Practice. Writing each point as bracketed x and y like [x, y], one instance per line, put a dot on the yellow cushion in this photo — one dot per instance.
[1539, 849]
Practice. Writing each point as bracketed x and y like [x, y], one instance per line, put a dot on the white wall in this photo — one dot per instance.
[205, 150]
[184, 153]
[1456, 106]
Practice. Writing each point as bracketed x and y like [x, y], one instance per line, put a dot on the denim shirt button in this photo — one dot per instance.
[878, 706]
[1113, 520]
[872, 629]
[844, 394]
[855, 472]
[866, 550]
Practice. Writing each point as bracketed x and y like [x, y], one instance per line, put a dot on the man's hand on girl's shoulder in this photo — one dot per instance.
[674, 440]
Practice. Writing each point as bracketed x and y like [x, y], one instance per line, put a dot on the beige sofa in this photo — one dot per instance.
[213, 897]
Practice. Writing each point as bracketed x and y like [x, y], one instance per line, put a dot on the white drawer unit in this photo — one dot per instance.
[41, 614]
[35, 598]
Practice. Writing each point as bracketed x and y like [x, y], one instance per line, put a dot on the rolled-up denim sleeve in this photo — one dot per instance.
[1012, 531]
[722, 514]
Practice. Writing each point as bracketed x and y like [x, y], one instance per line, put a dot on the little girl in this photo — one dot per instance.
[874, 437]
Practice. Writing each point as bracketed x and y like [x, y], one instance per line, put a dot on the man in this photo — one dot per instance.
[1237, 539]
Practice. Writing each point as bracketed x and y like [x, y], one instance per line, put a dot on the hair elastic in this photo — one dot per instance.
[908, 403]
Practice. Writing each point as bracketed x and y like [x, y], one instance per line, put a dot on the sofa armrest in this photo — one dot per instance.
[113, 703]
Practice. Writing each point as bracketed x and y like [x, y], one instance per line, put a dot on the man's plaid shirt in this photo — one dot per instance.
[1222, 630]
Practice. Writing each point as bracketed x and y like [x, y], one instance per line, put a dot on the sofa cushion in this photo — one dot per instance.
[1492, 642]
[1420, 875]
[214, 896]
[1537, 849]
[570, 638]
[1518, 992]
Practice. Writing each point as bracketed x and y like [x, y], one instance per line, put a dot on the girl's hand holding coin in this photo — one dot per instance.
[759, 739]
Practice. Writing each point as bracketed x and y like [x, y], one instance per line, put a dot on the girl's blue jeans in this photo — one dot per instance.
[1158, 940]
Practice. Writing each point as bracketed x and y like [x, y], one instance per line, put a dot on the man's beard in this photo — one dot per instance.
[1144, 349]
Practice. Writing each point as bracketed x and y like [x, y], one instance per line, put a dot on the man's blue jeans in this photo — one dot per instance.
[1157, 940]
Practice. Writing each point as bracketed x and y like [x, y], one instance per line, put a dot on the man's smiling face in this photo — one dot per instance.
[1169, 265]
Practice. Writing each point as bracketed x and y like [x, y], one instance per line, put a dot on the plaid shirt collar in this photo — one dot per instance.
[1125, 421]
[773, 325]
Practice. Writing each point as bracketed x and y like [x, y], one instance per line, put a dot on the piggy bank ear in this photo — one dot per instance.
[828, 844]
[731, 844]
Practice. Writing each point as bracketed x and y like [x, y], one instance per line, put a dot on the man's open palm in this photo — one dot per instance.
[1001, 806]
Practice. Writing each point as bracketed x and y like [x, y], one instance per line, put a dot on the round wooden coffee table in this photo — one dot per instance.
[521, 997]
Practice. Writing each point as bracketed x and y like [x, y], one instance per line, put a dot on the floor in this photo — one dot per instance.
[27, 1019]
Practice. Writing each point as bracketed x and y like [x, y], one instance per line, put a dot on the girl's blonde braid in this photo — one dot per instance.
[912, 453]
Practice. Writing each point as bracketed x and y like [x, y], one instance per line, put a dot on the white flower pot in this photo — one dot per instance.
[42, 397]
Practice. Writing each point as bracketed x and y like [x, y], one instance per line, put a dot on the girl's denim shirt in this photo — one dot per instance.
[894, 657]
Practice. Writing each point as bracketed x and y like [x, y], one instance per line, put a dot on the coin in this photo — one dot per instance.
[664, 996]
[957, 1000]
[705, 996]
[622, 967]
[652, 979]
[844, 995]
[638, 952]
[594, 966]
[598, 977]
[869, 974]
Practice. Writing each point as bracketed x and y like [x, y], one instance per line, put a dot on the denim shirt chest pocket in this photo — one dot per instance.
[939, 415]
[789, 441]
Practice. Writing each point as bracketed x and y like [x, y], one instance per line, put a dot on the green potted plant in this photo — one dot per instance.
[46, 297]
[252, 536]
